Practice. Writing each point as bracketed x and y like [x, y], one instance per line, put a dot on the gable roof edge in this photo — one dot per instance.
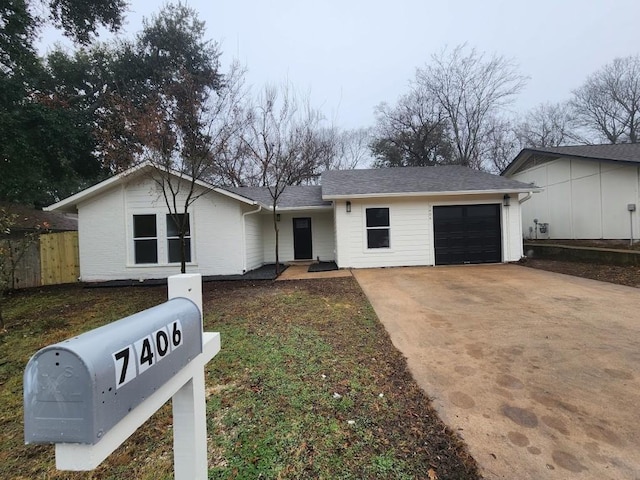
[98, 188]
[612, 153]
[522, 156]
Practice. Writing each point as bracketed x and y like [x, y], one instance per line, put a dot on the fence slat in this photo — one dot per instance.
[27, 271]
[59, 258]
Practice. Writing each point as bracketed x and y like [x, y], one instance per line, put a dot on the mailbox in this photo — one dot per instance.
[78, 389]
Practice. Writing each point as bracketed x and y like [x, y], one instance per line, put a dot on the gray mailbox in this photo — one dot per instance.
[76, 390]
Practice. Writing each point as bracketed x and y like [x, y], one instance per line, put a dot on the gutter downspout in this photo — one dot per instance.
[243, 247]
[529, 195]
[520, 202]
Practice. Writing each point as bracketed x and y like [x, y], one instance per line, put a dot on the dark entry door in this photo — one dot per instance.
[302, 246]
[467, 234]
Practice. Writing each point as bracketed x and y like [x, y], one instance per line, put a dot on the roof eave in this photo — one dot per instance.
[501, 191]
[229, 194]
[294, 209]
[524, 154]
[69, 204]
[66, 204]
[527, 152]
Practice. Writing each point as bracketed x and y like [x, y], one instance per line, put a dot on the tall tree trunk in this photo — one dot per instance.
[183, 253]
[277, 232]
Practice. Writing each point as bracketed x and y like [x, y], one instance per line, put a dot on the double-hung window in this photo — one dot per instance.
[378, 227]
[145, 239]
[174, 222]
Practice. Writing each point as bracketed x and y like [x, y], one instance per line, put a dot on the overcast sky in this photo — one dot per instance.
[350, 55]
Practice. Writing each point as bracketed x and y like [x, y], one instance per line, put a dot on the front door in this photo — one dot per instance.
[302, 247]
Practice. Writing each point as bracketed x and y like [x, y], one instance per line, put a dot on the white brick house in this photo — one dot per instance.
[357, 218]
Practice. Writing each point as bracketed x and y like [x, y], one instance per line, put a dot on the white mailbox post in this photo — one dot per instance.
[88, 394]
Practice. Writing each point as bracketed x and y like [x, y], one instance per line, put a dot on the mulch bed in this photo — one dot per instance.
[621, 275]
[266, 272]
[613, 244]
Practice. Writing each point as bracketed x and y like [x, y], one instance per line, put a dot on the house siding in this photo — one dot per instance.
[322, 237]
[582, 199]
[411, 230]
[253, 241]
[106, 234]
[100, 229]
[511, 221]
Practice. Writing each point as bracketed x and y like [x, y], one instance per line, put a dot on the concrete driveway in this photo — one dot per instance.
[538, 372]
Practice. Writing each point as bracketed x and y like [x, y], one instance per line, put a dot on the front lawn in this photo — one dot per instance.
[307, 385]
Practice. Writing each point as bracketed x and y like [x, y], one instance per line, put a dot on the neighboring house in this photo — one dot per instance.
[39, 248]
[358, 218]
[29, 219]
[589, 191]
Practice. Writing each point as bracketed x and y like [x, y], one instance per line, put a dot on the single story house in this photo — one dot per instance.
[589, 191]
[357, 218]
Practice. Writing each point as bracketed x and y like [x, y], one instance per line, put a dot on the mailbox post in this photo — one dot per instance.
[88, 394]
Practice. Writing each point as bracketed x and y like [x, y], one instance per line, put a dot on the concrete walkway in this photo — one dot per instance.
[538, 372]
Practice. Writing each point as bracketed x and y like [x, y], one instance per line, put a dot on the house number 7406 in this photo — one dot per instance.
[139, 356]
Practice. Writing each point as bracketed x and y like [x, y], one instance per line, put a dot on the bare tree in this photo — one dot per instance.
[232, 164]
[547, 125]
[191, 141]
[412, 133]
[608, 104]
[353, 149]
[283, 140]
[178, 146]
[342, 149]
[501, 144]
[470, 89]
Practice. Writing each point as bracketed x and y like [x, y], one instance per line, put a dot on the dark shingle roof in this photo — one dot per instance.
[403, 180]
[626, 152]
[27, 218]
[621, 152]
[298, 196]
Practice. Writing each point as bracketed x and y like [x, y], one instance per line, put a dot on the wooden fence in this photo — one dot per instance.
[52, 260]
[27, 269]
[59, 258]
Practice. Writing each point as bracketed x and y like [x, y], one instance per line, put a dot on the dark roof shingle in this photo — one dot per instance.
[625, 152]
[29, 219]
[297, 196]
[620, 152]
[428, 180]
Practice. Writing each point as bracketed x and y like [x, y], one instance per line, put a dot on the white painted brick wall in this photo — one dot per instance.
[106, 234]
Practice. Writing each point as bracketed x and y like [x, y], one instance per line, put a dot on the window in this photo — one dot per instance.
[173, 237]
[145, 238]
[377, 227]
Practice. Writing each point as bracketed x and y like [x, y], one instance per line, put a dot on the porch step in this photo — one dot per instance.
[301, 262]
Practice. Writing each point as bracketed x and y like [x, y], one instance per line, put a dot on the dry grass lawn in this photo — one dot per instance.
[307, 385]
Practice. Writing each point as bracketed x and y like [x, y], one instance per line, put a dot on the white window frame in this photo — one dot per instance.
[367, 228]
[136, 239]
[162, 242]
[177, 237]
